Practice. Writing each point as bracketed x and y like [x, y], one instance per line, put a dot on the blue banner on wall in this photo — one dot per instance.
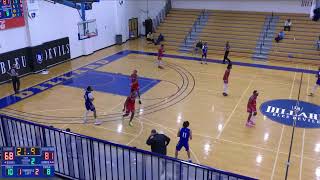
[285, 111]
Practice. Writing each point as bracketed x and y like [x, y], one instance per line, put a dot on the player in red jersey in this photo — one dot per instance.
[160, 55]
[134, 76]
[252, 109]
[135, 88]
[226, 80]
[129, 106]
[135, 84]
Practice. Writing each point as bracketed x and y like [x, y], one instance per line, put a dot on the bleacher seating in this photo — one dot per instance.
[300, 42]
[176, 26]
[242, 29]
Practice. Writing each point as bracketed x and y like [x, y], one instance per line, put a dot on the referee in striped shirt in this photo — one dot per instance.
[15, 78]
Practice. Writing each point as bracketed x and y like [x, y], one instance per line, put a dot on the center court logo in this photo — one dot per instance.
[285, 111]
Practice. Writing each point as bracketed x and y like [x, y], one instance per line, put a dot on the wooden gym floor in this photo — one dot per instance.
[187, 91]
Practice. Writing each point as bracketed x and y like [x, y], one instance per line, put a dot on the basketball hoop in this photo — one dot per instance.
[87, 29]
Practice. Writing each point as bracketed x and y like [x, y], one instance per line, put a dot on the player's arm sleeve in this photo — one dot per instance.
[178, 134]
[190, 134]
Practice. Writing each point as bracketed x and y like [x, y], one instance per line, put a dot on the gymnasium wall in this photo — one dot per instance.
[285, 6]
[58, 21]
[55, 21]
[154, 7]
[12, 39]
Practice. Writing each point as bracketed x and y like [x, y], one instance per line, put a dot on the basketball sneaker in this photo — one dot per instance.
[249, 124]
[97, 122]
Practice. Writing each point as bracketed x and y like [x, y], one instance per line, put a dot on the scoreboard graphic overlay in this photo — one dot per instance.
[27, 162]
[11, 14]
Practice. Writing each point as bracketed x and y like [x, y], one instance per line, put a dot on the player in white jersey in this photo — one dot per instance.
[88, 97]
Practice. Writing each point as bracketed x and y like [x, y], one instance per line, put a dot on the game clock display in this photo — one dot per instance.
[11, 14]
[27, 162]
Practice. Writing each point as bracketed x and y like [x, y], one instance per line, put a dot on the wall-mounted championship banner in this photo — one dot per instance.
[50, 53]
[285, 111]
[20, 57]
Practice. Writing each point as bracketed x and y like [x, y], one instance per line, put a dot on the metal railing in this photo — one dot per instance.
[81, 157]
[194, 26]
[265, 32]
[162, 14]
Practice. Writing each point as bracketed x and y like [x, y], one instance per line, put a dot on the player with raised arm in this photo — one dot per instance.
[252, 109]
[185, 134]
[88, 97]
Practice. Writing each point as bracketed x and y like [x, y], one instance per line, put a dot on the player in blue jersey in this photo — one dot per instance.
[185, 135]
[88, 97]
[317, 83]
[204, 53]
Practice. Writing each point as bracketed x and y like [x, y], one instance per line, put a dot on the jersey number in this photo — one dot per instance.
[184, 135]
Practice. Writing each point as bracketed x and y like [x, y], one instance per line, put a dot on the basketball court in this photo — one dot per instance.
[184, 90]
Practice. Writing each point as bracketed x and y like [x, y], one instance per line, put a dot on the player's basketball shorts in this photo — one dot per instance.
[130, 108]
[133, 89]
[204, 54]
[182, 144]
[90, 107]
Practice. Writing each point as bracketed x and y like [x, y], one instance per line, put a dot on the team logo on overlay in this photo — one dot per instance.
[285, 111]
